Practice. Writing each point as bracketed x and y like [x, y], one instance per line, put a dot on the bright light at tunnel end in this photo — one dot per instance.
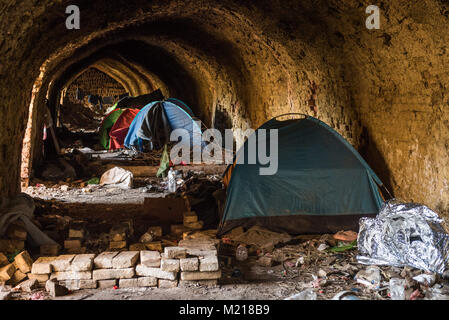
[258, 149]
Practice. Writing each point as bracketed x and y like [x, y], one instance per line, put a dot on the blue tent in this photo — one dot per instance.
[322, 184]
[157, 120]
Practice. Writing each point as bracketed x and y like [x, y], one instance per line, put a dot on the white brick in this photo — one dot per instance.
[163, 283]
[170, 265]
[42, 265]
[105, 274]
[207, 275]
[128, 283]
[147, 281]
[79, 284]
[150, 258]
[201, 253]
[209, 263]
[62, 262]
[71, 275]
[83, 262]
[104, 260]
[145, 271]
[189, 264]
[175, 252]
[125, 259]
[107, 284]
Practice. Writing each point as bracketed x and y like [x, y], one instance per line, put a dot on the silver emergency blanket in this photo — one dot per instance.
[404, 234]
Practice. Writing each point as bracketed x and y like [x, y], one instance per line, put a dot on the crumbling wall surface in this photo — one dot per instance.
[240, 63]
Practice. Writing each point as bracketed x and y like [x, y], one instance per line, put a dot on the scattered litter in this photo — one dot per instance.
[369, 277]
[307, 294]
[322, 247]
[342, 246]
[426, 279]
[397, 289]
[345, 295]
[348, 236]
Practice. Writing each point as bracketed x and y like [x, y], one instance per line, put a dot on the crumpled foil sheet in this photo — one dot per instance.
[404, 234]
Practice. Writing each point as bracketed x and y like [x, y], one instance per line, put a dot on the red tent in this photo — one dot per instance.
[120, 128]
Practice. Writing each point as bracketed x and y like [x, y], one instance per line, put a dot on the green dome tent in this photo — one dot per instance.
[322, 185]
[107, 124]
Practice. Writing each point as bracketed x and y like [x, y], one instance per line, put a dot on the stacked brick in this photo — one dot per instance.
[175, 266]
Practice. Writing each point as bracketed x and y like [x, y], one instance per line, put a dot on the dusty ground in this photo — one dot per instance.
[303, 262]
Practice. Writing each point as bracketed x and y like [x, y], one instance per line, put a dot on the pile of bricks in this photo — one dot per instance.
[176, 266]
[190, 223]
[150, 240]
[74, 243]
[15, 272]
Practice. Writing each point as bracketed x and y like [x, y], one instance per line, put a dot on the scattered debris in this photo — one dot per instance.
[404, 234]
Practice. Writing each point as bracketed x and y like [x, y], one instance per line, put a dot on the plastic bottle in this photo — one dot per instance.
[397, 289]
[171, 181]
[241, 254]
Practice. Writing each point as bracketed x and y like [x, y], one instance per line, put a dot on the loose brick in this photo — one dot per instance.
[150, 258]
[162, 283]
[105, 274]
[18, 276]
[71, 275]
[207, 275]
[171, 265]
[209, 263]
[137, 247]
[79, 284]
[155, 230]
[144, 271]
[23, 262]
[39, 277]
[178, 229]
[154, 246]
[189, 264]
[3, 260]
[189, 217]
[129, 283]
[82, 262]
[201, 253]
[201, 244]
[11, 246]
[7, 272]
[29, 285]
[117, 245]
[104, 260]
[43, 265]
[62, 262]
[197, 225]
[72, 243]
[147, 281]
[107, 284]
[49, 249]
[175, 252]
[125, 259]
[76, 233]
[16, 232]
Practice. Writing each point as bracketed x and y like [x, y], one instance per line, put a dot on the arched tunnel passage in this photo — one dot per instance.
[236, 65]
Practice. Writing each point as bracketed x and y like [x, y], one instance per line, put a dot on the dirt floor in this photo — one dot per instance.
[318, 266]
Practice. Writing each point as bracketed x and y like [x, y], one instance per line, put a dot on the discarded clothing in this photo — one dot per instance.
[117, 177]
[22, 208]
[404, 234]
